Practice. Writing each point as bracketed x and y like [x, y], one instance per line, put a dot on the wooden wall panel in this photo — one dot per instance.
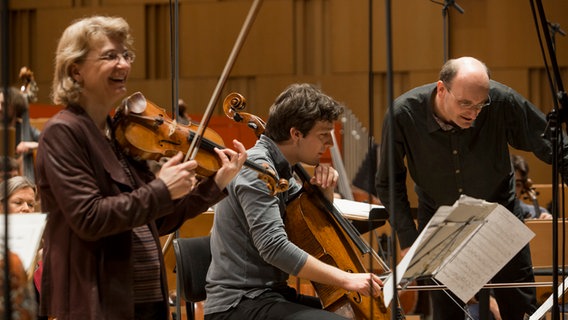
[350, 32]
[210, 30]
[319, 41]
[36, 4]
[502, 33]
[22, 48]
[417, 35]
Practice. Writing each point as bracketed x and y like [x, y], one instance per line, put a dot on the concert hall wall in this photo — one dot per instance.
[320, 41]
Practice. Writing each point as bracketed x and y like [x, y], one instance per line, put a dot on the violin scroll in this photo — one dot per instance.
[235, 102]
[29, 87]
[529, 190]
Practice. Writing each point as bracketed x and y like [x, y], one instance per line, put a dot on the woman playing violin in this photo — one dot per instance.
[106, 211]
[252, 256]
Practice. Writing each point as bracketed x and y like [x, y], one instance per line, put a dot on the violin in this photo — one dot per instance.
[144, 131]
[532, 196]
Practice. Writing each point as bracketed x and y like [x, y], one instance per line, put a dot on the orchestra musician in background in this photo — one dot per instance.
[18, 106]
[9, 105]
[27, 135]
[9, 167]
[455, 134]
[102, 257]
[183, 117]
[23, 300]
[25, 146]
[523, 189]
[22, 196]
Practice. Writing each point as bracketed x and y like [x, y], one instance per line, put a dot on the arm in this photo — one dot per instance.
[317, 271]
[526, 125]
[266, 227]
[26, 146]
[208, 192]
[90, 188]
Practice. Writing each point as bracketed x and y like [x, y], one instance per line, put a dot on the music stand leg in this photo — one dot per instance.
[483, 304]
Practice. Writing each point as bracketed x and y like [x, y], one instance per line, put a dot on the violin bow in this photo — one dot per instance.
[174, 49]
[194, 147]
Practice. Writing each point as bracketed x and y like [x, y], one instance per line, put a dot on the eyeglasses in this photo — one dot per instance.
[468, 105]
[128, 56]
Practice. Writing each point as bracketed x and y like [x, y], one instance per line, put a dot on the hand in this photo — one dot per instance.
[545, 216]
[178, 176]
[325, 177]
[364, 283]
[404, 251]
[494, 308]
[232, 162]
[26, 146]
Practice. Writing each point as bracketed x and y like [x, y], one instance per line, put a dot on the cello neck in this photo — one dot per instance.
[353, 234]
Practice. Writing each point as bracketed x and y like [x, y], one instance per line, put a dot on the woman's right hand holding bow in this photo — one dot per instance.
[178, 176]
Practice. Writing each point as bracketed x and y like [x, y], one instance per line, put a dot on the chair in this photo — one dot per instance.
[193, 256]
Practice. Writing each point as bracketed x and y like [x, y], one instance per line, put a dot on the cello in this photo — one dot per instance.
[316, 226]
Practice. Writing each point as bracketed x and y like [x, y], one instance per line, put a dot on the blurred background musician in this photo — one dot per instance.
[27, 136]
[524, 190]
[22, 198]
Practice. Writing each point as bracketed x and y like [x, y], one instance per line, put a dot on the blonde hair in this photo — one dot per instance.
[14, 184]
[74, 45]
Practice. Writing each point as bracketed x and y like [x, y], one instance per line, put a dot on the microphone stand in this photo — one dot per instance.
[554, 28]
[446, 5]
[4, 34]
[556, 117]
[390, 103]
[446, 19]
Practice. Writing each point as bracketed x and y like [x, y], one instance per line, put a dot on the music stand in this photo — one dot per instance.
[363, 216]
[463, 246]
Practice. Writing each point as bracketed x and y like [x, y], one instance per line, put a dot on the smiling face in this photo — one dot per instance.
[103, 73]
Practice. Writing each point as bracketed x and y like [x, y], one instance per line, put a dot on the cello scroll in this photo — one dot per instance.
[235, 102]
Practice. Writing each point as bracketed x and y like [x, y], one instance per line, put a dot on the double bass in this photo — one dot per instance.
[29, 89]
[316, 226]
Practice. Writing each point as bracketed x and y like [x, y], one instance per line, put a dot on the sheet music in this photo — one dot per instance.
[463, 246]
[353, 209]
[503, 236]
[24, 236]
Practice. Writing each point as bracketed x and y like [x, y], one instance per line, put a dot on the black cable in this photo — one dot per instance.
[555, 120]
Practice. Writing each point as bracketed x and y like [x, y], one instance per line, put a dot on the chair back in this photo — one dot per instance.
[193, 257]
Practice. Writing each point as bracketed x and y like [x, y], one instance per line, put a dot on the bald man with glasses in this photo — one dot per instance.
[453, 136]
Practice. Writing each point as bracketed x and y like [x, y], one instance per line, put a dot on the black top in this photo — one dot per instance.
[446, 164]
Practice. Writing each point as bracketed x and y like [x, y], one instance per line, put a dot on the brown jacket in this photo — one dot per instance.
[92, 207]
